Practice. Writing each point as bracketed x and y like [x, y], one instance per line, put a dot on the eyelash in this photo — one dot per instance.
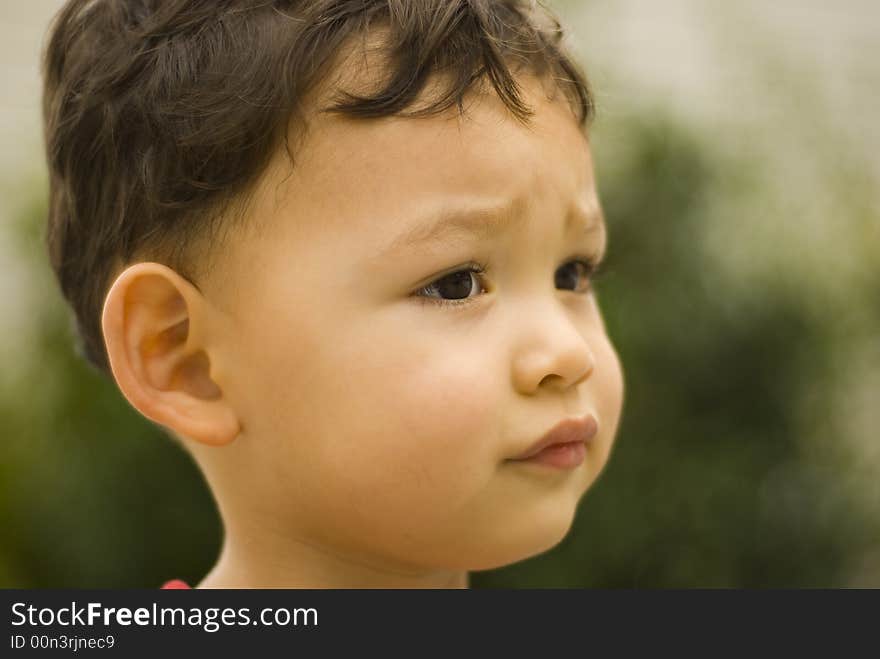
[593, 267]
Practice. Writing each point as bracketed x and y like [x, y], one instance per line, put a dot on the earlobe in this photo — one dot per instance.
[154, 324]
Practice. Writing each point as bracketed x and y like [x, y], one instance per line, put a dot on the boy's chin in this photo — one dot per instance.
[507, 548]
[515, 554]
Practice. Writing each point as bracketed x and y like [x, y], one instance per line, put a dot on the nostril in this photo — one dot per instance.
[548, 379]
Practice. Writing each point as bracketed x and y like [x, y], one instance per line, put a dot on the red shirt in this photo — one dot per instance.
[175, 584]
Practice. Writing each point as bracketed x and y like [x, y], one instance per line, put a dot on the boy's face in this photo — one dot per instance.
[381, 423]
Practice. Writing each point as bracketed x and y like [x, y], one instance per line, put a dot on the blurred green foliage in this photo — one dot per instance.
[730, 467]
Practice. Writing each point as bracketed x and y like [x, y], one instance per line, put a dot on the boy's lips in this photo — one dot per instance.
[573, 430]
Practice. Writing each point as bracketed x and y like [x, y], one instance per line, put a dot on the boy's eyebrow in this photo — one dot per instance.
[481, 222]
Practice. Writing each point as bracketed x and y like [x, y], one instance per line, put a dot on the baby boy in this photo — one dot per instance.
[342, 251]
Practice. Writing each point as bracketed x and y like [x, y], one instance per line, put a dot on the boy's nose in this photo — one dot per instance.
[552, 350]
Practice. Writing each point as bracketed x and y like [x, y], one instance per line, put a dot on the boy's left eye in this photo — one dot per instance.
[575, 276]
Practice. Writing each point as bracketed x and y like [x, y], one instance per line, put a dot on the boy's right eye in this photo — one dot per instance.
[454, 288]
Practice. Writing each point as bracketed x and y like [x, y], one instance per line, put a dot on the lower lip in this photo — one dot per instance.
[561, 456]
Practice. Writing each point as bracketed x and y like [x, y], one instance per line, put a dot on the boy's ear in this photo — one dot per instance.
[154, 324]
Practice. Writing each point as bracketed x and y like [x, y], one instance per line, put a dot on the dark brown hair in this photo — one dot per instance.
[160, 114]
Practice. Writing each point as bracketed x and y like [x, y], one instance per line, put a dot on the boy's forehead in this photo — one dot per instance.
[392, 164]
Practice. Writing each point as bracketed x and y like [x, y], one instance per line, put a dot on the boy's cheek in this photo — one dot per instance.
[609, 398]
[400, 463]
[427, 416]
[388, 411]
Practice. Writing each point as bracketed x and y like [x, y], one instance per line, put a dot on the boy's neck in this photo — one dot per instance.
[300, 565]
